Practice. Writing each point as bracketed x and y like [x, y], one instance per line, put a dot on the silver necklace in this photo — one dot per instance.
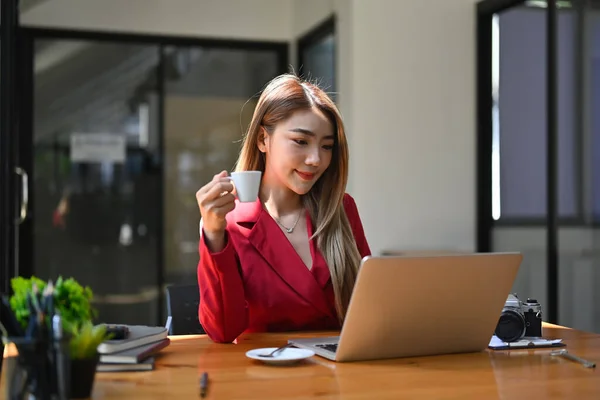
[289, 230]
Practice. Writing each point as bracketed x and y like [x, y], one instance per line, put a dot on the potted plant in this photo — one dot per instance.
[73, 303]
[83, 348]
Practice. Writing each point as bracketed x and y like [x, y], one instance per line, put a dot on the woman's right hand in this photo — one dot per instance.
[215, 200]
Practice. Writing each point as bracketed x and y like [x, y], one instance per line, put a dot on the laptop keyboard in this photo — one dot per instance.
[329, 347]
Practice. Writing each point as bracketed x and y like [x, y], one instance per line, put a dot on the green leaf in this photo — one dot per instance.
[86, 340]
[18, 301]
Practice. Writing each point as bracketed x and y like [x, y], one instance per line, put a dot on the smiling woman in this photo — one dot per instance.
[299, 149]
[263, 267]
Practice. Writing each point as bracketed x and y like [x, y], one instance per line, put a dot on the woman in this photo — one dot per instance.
[288, 261]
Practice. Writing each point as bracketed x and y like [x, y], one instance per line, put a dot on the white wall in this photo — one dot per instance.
[309, 13]
[231, 19]
[412, 114]
[406, 90]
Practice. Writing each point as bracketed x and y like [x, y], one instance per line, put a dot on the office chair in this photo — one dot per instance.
[182, 306]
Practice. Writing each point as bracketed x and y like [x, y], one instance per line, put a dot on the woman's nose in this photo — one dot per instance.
[313, 157]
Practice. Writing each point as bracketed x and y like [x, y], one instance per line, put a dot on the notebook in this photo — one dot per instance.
[136, 354]
[139, 335]
[525, 343]
[145, 365]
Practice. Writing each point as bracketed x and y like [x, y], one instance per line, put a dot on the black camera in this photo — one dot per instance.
[519, 319]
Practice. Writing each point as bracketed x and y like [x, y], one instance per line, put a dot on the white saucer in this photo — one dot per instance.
[286, 356]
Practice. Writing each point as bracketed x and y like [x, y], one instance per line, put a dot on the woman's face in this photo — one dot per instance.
[299, 150]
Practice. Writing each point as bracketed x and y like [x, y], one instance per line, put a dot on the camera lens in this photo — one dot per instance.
[511, 326]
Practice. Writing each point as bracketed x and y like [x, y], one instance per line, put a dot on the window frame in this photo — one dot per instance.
[314, 36]
[583, 216]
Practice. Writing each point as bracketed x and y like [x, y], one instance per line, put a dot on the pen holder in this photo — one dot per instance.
[83, 373]
[40, 371]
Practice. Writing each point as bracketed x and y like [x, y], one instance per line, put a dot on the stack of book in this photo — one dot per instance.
[135, 352]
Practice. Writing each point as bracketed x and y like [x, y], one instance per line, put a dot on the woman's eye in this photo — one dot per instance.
[300, 142]
[328, 146]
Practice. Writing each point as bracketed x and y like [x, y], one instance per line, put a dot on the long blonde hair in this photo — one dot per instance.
[281, 97]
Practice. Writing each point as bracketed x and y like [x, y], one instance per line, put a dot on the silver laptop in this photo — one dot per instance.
[405, 306]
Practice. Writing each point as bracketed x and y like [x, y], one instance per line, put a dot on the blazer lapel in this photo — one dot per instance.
[271, 243]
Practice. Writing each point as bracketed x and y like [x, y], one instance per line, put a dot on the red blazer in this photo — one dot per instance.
[258, 283]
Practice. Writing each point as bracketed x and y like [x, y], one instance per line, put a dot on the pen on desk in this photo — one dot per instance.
[203, 384]
[565, 354]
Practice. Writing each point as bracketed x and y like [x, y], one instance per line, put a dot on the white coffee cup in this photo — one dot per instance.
[246, 185]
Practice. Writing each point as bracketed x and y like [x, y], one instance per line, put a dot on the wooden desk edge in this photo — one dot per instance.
[11, 351]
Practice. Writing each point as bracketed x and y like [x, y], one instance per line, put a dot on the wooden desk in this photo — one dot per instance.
[515, 374]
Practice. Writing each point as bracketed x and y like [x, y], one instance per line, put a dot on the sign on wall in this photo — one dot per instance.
[98, 147]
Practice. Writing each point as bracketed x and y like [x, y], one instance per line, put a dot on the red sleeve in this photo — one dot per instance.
[357, 227]
[222, 311]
